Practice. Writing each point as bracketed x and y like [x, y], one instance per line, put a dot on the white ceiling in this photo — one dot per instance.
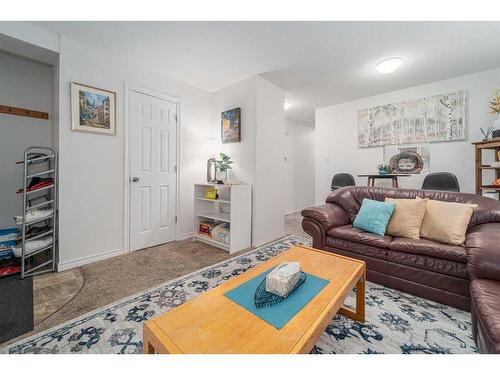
[316, 63]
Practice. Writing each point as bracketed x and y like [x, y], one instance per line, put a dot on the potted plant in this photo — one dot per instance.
[383, 168]
[222, 167]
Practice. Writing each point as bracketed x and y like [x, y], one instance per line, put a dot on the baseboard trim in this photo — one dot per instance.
[185, 236]
[63, 266]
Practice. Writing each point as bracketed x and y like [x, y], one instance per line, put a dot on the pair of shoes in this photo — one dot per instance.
[33, 215]
[31, 246]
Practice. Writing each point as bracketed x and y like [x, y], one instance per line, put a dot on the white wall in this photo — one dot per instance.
[258, 158]
[24, 84]
[91, 191]
[91, 206]
[337, 130]
[243, 95]
[268, 216]
[299, 166]
[32, 35]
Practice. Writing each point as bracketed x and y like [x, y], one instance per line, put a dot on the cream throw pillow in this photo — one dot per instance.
[407, 218]
[446, 222]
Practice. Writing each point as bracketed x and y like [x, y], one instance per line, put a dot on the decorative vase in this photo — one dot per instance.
[211, 171]
[221, 176]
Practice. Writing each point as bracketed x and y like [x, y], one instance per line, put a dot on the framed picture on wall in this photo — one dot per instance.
[93, 110]
[231, 126]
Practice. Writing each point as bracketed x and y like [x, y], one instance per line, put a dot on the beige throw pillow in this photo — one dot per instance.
[407, 218]
[446, 222]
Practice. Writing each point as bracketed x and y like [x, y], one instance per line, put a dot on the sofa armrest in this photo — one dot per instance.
[328, 215]
[483, 251]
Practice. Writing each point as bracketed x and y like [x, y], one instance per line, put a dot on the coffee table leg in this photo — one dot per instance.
[147, 348]
[359, 314]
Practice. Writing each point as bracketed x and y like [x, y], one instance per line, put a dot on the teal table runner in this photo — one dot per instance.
[279, 314]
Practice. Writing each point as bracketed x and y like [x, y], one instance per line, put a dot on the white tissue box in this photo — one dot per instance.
[283, 278]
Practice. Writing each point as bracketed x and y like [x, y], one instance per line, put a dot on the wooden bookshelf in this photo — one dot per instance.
[480, 148]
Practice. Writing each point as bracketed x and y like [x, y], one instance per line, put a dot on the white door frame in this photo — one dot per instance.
[126, 166]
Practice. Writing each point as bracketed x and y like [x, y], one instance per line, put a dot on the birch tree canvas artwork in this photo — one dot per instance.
[438, 118]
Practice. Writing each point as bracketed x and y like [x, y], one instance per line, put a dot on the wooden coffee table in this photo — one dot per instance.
[212, 323]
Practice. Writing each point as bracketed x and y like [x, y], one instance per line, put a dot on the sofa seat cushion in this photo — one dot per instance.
[358, 248]
[429, 263]
[429, 248]
[486, 299]
[350, 233]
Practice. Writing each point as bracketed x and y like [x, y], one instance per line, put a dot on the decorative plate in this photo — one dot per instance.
[263, 298]
[407, 162]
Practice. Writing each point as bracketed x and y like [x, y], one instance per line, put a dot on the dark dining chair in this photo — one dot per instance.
[441, 181]
[341, 180]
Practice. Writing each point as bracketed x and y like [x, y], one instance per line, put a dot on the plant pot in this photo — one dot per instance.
[383, 172]
[221, 176]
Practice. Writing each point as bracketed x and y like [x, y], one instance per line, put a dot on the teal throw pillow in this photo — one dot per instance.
[374, 216]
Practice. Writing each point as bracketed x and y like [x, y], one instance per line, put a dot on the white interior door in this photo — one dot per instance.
[153, 127]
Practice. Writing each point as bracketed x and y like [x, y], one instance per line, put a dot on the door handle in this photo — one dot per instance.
[134, 179]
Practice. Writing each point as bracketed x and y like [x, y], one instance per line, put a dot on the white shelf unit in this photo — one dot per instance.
[233, 206]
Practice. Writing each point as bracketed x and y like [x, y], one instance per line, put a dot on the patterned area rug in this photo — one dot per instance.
[395, 322]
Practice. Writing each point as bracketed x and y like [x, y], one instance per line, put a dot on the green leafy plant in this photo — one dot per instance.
[384, 167]
[224, 164]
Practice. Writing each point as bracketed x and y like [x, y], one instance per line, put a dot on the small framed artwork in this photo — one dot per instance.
[93, 110]
[231, 126]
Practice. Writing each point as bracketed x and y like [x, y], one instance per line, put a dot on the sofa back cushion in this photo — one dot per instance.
[446, 222]
[350, 199]
[407, 217]
[374, 216]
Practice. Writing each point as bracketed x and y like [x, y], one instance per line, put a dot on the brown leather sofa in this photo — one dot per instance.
[483, 248]
[422, 267]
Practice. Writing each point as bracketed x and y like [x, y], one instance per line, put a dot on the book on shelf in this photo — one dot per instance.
[206, 228]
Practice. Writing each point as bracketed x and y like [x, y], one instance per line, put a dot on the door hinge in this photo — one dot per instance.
[175, 168]
[176, 218]
[175, 117]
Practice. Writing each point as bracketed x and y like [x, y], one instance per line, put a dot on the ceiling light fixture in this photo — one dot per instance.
[287, 104]
[389, 65]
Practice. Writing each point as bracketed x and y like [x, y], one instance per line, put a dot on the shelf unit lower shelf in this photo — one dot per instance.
[492, 188]
[226, 218]
[210, 241]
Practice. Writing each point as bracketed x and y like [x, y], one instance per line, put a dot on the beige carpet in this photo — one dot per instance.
[66, 295]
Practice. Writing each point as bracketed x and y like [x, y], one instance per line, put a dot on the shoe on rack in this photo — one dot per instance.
[9, 270]
[38, 183]
[33, 215]
[35, 231]
[31, 246]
